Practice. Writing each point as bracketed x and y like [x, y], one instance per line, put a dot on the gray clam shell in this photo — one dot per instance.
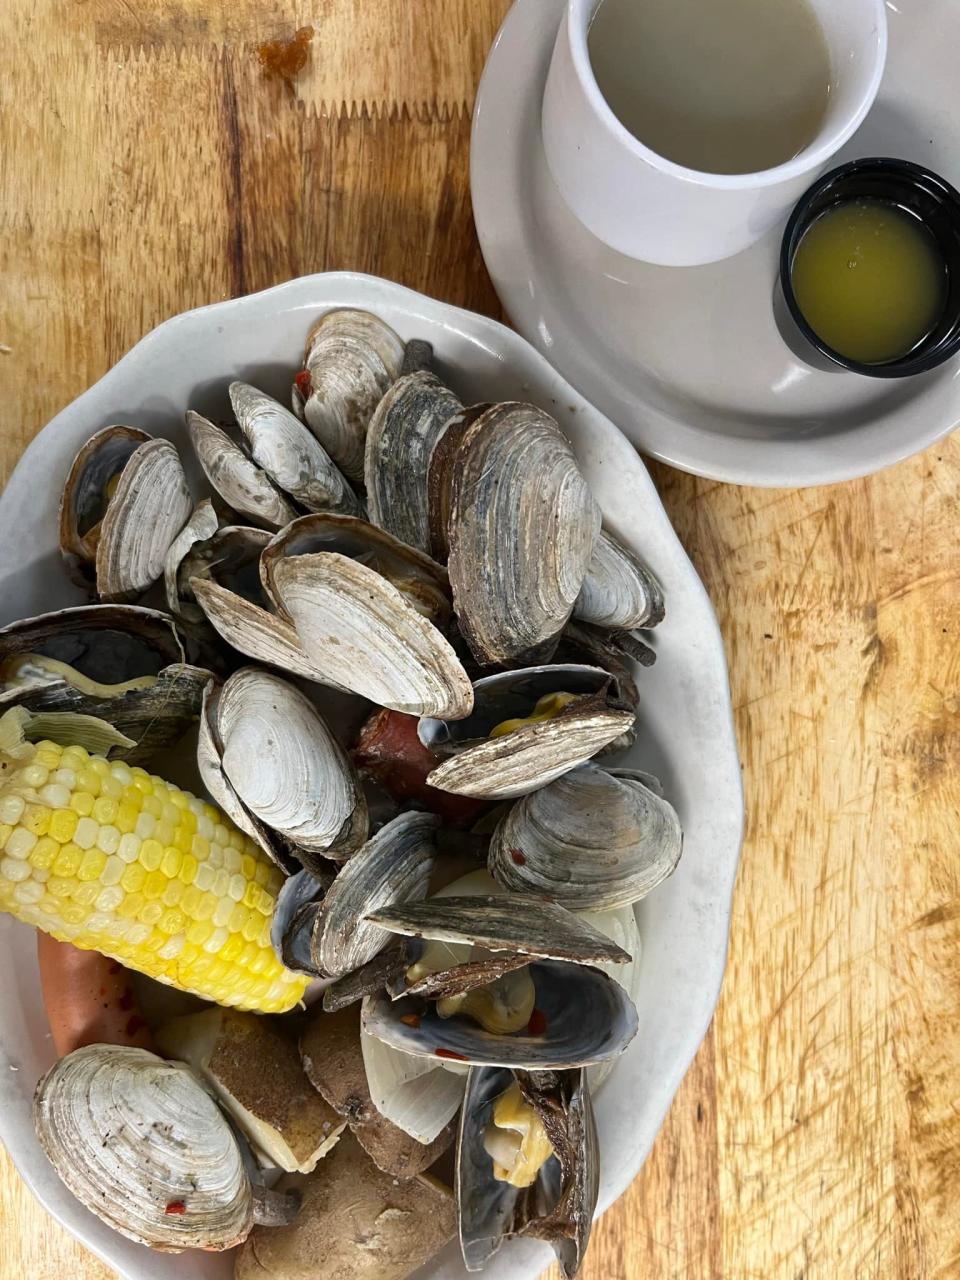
[588, 1018]
[592, 840]
[243, 486]
[619, 591]
[530, 757]
[559, 1207]
[402, 435]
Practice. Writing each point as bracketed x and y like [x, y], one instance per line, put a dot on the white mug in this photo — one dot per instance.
[650, 208]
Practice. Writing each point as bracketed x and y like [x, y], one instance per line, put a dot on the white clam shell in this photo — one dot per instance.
[365, 636]
[203, 524]
[619, 590]
[235, 476]
[591, 840]
[285, 765]
[131, 1134]
[352, 358]
[84, 499]
[149, 508]
[283, 447]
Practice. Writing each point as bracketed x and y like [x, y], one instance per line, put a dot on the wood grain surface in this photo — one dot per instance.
[146, 166]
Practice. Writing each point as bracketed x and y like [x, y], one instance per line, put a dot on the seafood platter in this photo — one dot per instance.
[330, 786]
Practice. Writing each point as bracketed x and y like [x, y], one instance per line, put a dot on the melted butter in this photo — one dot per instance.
[547, 708]
[869, 280]
[516, 1140]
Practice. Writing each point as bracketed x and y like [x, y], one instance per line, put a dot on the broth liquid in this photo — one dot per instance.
[721, 86]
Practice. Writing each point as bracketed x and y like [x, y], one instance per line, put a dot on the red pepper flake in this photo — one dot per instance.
[411, 1019]
[304, 385]
[449, 1053]
[176, 1206]
[134, 1024]
[103, 991]
[517, 857]
[126, 1000]
[538, 1023]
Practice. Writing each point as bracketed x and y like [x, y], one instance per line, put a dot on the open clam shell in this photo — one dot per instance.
[141, 1143]
[203, 524]
[286, 766]
[286, 451]
[522, 529]
[325, 930]
[409, 420]
[583, 1017]
[421, 581]
[87, 491]
[619, 591]
[529, 757]
[150, 506]
[560, 1205]
[222, 574]
[592, 840]
[121, 663]
[365, 636]
[242, 485]
[351, 358]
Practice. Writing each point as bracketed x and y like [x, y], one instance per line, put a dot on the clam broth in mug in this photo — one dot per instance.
[720, 86]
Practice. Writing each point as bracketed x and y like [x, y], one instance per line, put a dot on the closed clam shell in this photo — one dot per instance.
[120, 663]
[421, 581]
[141, 1143]
[619, 591]
[522, 529]
[235, 476]
[440, 474]
[220, 789]
[403, 432]
[591, 840]
[286, 766]
[365, 636]
[584, 1017]
[85, 495]
[531, 756]
[561, 1204]
[149, 508]
[293, 459]
[351, 358]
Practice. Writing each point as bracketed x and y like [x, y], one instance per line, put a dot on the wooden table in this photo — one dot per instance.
[148, 167]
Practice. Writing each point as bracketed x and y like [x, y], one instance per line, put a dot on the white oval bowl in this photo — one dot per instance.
[687, 735]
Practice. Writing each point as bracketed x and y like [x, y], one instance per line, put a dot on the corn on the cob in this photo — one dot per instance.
[115, 860]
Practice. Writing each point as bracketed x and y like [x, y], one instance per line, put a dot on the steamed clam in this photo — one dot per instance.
[522, 530]
[141, 1143]
[593, 840]
[284, 450]
[527, 727]
[276, 754]
[233, 474]
[120, 663]
[365, 631]
[351, 358]
[528, 1163]
[619, 591]
[401, 438]
[121, 508]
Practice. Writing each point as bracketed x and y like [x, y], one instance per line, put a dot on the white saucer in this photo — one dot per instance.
[688, 361]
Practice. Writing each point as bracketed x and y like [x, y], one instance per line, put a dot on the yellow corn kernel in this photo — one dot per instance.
[63, 824]
[106, 856]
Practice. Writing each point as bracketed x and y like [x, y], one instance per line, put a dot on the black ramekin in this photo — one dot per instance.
[927, 197]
